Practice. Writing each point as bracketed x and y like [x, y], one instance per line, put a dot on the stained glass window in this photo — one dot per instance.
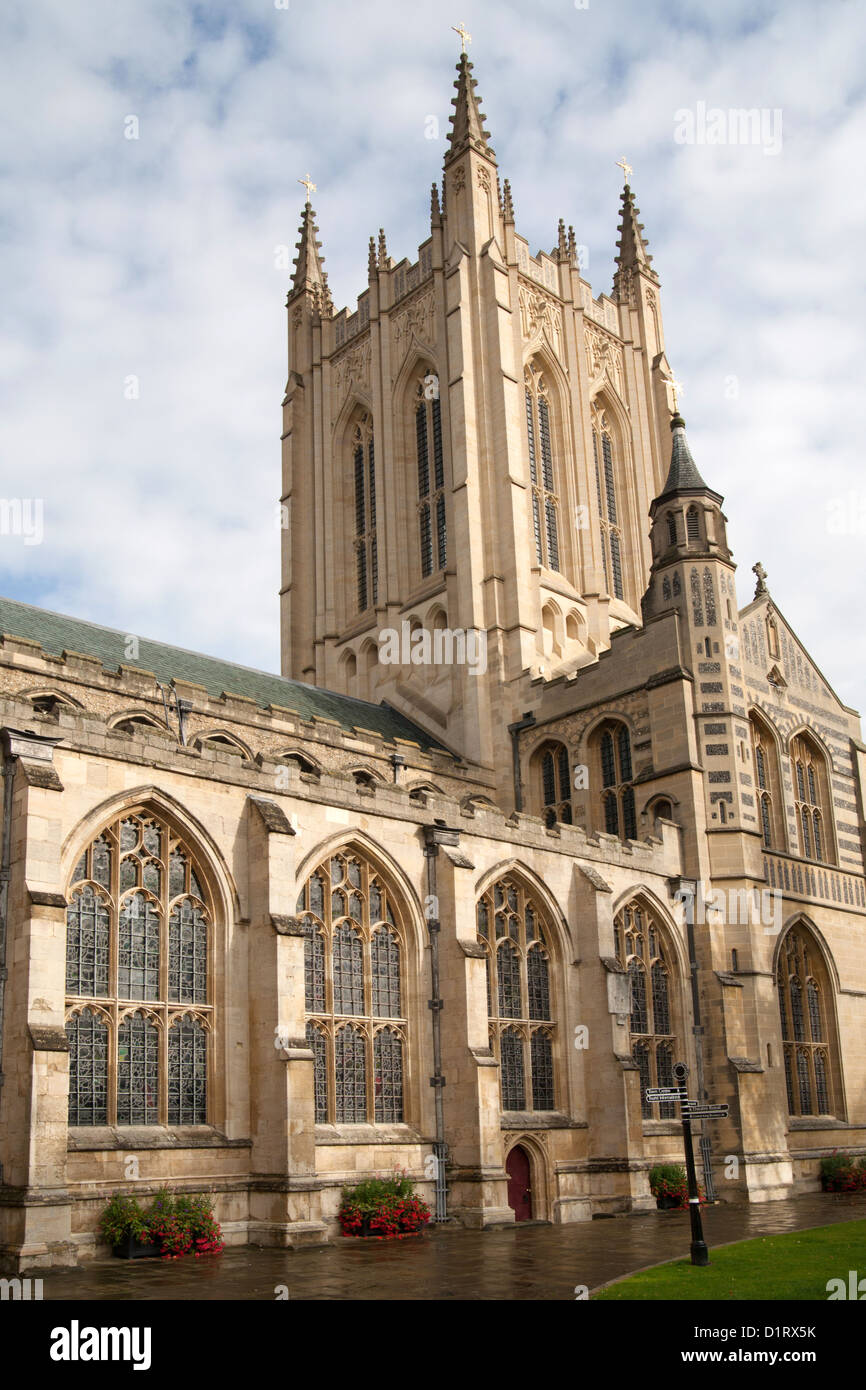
[811, 797]
[87, 1035]
[388, 1070]
[137, 1071]
[351, 1082]
[611, 744]
[88, 930]
[541, 1056]
[364, 479]
[353, 966]
[640, 941]
[807, 1025]
[431, 482]
[512, 1070]
[187, 1072]
[138, 928]
[519, 988]
[554, 765]
[545, 501]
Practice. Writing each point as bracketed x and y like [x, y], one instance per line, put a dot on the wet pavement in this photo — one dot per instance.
[526, 1262]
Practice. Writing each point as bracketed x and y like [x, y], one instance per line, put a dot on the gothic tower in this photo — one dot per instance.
[473, 450]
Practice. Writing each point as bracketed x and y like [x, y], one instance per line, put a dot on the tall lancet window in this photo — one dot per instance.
[608, 506]
[433, 535]
[366, 556]
[545, 499]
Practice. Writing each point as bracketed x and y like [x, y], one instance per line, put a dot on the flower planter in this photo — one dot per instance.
[132, 1249]
[667, 1202]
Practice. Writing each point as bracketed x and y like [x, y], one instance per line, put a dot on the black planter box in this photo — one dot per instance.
[666, 1202]
[132, 1249]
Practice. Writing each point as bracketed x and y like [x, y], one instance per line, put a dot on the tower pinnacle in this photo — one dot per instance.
[309, 276]
[683, 475]
[467, 122]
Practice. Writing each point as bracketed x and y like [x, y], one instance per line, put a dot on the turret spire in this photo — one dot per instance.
[467, 123]
[683, 475]
[632, 246]
[309, 276]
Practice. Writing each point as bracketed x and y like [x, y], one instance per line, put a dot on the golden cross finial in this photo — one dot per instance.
[309, 185]
[465, 36]
[627, 170]
[677, 387]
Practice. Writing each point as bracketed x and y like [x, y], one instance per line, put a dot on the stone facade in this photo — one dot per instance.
[669, 787]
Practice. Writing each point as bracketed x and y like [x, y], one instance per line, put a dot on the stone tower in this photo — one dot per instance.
[473, 450]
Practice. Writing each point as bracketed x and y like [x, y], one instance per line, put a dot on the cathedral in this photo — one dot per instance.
[533, 813]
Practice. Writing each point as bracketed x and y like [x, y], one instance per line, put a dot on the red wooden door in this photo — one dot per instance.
[519, 1190]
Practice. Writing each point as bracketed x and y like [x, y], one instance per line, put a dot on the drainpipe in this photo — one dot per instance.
[515, 731]
[434, 836]
[686, 890]
[9, 761]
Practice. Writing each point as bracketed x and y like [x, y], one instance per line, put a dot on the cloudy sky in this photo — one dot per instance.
[154, 258]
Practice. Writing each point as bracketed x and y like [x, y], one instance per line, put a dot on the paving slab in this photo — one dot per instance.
[524, 1262]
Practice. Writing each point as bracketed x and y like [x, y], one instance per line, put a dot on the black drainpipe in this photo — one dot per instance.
[9, 761]
[515, 731]
[434, 836]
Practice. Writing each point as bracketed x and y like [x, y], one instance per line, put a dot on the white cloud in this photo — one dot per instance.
[155, 258]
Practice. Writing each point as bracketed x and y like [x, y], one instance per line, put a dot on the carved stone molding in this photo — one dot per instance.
[353, 367]
[604, 355]
[539, 313]
[415, 319]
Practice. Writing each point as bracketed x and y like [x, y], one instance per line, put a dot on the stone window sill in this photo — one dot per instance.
[84, 1138]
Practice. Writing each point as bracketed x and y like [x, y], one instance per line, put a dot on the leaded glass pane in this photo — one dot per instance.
[375, 901]
[101, 863]
[336, 871]
[194, 885]
[546, 455]
[564, 773]
[765, 822]
[421, 450]
[128, 834]
[137, 1072]
[813, 796]
[187, 954]
[789, 1081]
[530, 432]
[814, 1011]
[796, 1010]
[129, 868]
[548, 786]
[187, 1073]
[441, 533]
[316, 1040]
[438, 465]
[385, 958]
[639, 1023]
[538, 981]
[665, 1076]
[552, 534]
[152, 877]
[317, 895]
[541, 1059]
[616, 564]
[807, 839]
[611, 814]
[482, 920]
[816, 825]
[624, 747]
[87, 1035]
[823, 1095]
[80, 870]
[426, 541]
[529, 924]
[640, 1053]
[661, 1000]
[512, 1074]
[608, 769]
[760, 765]
[350, 1057]
[610, 491]
[348, 971]
[177, 875]
[629, 821]
[88, 924]
[314, 967]
[508, 973]
[388, 1069]
[804, 1083]
[138, 949]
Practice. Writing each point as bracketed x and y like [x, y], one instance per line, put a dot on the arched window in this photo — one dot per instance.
[768, 797]
[545, 498]
[642, 948]
[812, 1076]
[672, 528]
[611, 753]
[353, 983]
[554, 776]
[139, 1009]
[364, 477]
[519, 994]
[431, 476]
[812, 800]
[608, 506]
[693, 524]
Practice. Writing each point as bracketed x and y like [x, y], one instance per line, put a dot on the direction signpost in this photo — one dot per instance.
[689, 1110]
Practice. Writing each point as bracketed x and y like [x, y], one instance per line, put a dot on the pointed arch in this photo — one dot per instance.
[524, 987]
[646, 948]
[811, 767]
[359, 964]
[611, 468]
[806, 986]
[224, 740]
[766, 769]
[547, 435]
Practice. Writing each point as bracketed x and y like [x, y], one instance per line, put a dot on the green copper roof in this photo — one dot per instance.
[56, 633]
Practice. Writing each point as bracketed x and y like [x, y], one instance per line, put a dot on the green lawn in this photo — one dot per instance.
[795, 1266]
